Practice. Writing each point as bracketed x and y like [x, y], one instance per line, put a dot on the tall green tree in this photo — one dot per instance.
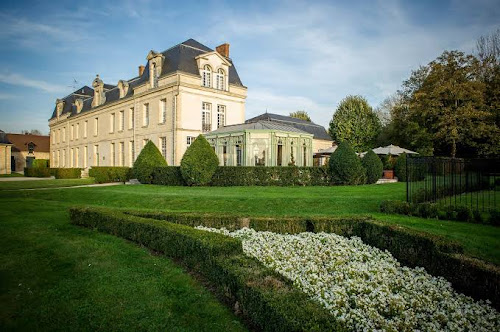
[356, 122]
[301, 115]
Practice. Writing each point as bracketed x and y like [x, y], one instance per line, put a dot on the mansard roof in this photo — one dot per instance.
[3, 138]
[181, 57]
[317, 130]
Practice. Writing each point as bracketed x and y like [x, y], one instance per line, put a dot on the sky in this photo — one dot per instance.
[292, 55]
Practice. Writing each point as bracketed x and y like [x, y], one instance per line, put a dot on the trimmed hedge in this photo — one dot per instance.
[168, 176]
[345, 167]
[38, 163]
[37, 172]
[373, 167]
[436, 211]
[149, 158]
[110, 174]
[226, 176]
[199, 163]
[66, 173]
[437, 255]
[268, 300]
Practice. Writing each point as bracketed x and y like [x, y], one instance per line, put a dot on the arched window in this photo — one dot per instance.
[220, 79]
[206, 76]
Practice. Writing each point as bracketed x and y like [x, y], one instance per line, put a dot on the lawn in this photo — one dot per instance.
[11, 175]
[44, 252]
[52, 183]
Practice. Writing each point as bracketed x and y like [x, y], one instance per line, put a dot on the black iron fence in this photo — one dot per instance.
[453, 181]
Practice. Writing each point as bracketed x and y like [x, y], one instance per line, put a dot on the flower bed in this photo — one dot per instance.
[363, 286]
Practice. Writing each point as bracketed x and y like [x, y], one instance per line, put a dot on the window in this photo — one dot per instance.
[113, 154]
[224, 154]
[53, 161]
[52, 137]
[64, 158]
[239, 155]
[31, 148]
[304, 150]
[145, 115]
[71, 157]
[58, 158]
[85, 129]
[58, 135]
[206, 122]
[122, 154]
[112, 123]
[206, 76]
[221, 116]
[64, 134]
[154, 75]
[77, 157]
[163, 145]
[85, 155]
[279, 156]
[96, 155]
[72, 132]
[220, 79]
[121, 120]
[77, 131]
[131, 153]
[96, 126]
[163, 111]
[131, 119]
[189, 140]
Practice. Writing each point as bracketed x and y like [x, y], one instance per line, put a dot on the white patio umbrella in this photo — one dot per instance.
[393, 150]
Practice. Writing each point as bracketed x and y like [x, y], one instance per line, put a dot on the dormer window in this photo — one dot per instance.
[155, 61]
[123, 87]
[206, 76]
[154, 76]
[220, 79]
[31, 147]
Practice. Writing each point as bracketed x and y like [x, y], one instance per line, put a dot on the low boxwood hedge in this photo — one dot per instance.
[437, 255]
[37, 172]
[66, 173]
[436, 211]
[110, 174]
[269, 301]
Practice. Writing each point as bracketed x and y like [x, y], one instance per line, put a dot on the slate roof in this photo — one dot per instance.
[180, 57]
[258, 125]
[3, 138]
[318, 131]
[20, 142]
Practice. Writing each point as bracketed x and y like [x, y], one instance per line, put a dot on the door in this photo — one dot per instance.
[29, 161]
[12, 163]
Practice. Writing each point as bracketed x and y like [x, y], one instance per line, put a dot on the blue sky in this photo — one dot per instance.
[292, 55]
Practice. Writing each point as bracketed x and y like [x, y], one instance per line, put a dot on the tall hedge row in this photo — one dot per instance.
[66, 173]
[110, 174]
[267, 300]
[37, 172]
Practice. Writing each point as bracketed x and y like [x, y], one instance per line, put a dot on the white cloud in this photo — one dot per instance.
[16, 79]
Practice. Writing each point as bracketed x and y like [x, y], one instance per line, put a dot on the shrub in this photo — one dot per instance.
[400, 168]
[397, 207]
[268, 300]
[110, 174]
[199, 163]
[373, 167]
[40, 163]
[37, 172]
[345, 166]
[168, 176]
[149, 158]
[66, 173]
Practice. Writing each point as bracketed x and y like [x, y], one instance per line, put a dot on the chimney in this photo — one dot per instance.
[141, 70]
[223, 50]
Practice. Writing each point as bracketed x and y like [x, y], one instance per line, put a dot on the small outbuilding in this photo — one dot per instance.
[5, 154]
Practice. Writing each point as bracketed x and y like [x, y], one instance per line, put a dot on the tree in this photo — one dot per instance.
[32, 132]
[373, 167]
[199, 163]
[301, 115]
[149, 158]
[345, 166]
[355, 121]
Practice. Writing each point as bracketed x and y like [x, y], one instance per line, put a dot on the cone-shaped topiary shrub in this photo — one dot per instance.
[345, 166]
[199, 163]
[373, 166]
[149, 158]
[400, 168]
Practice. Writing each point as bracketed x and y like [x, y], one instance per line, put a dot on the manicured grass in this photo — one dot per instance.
[55, 276]
[53, 183]
[11, 175]
[478, 240]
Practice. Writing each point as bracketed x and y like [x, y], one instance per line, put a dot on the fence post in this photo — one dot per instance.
[407, 181]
